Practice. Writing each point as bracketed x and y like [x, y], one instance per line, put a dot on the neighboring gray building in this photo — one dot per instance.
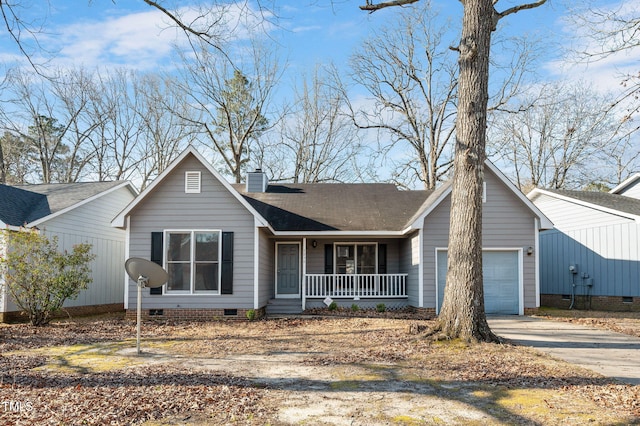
[286, 247]
[74, 213]
[591, 259]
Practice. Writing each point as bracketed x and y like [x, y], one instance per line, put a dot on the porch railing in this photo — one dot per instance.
[355, 285]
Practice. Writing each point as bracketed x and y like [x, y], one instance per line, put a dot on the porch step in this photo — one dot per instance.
[284, 307]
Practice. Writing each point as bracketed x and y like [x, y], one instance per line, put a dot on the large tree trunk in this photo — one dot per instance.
[462, 314]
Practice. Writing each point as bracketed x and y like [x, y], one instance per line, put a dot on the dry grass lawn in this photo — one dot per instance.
[331, 371]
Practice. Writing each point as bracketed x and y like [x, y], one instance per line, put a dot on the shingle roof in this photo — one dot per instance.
[335, 207]
[18, 206]
[603, 199]
[63, 195]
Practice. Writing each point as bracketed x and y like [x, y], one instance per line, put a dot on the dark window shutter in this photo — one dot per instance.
[156, 256]
[226, 285]
[328, 258]
[382, 258]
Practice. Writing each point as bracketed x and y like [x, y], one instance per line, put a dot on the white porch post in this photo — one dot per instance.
[304, 272]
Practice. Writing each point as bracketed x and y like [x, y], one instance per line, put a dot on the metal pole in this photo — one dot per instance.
[139, 313]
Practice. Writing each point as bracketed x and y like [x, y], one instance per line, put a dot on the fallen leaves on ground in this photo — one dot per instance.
[172, 389]
[620, 322]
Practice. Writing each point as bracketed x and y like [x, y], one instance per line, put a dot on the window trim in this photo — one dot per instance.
[192, 262]
[355, 254]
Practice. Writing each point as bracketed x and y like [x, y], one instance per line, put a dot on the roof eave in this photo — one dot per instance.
[631, 216]
[338, 233]
[625, 183]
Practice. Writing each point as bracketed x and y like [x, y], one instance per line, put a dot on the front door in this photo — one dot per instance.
[288, 270]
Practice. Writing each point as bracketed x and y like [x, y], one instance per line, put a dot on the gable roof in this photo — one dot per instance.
[357, 208]
[19, 207]
[375, 207]
[625, 184]
[441, 193]
[119, 220]
[603, 201]
[30, 205]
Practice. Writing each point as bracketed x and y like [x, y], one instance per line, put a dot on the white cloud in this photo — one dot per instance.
[144, 40]
[584, 44]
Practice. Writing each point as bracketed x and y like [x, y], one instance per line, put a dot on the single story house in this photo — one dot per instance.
[74, 213]
[591, 259]
[283, 248]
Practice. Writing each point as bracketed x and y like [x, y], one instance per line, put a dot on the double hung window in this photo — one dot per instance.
[193, 261]
[356, 258]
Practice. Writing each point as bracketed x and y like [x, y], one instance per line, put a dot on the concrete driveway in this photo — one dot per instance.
[610, 354]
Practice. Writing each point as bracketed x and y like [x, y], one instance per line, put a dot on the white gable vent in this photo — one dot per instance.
[192, 182]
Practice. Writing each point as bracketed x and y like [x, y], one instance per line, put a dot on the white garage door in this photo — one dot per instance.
[501, 281]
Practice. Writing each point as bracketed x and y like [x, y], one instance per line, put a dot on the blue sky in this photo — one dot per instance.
[307, 32]
[128, 33]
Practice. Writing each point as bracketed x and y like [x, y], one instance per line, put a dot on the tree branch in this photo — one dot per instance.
[516, 9]
[370, 7]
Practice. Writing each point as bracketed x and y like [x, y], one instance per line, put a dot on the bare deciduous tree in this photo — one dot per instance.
[412, 79]
[33, 117]
[411, 76]
[555, 142]
[462, 314]
[232, 103]
[609, 30]
[165, 134]
[116, 102]
[315, 141]
[71, 89]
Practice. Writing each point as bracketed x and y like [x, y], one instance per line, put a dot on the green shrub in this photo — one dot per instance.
[38, 277]
[251, 314]
[355, 308]
[333, 306]
[380, 307]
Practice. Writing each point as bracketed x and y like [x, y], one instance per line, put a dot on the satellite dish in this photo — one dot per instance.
[145, 272]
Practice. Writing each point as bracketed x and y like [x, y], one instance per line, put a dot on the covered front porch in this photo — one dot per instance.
[363, 272]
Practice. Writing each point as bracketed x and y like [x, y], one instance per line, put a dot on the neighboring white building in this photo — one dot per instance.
[591, 259]
[74, 213]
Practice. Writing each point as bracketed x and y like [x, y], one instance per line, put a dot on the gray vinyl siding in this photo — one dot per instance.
[567, 215]
[169, 207]
[507, 223]
[267, 257]
[436, 235]
[409, 264]
[91, 223]
[608, 254]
